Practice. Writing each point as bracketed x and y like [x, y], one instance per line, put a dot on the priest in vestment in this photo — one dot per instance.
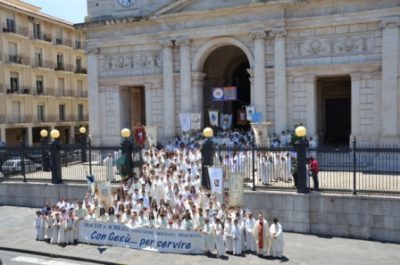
[261, 236]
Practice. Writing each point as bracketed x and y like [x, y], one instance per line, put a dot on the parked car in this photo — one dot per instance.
[15, 166]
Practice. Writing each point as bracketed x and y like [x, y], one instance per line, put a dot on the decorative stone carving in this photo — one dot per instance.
[148, 59]
[258, 35]
[183, 42]
[332, 45]
[278, 33]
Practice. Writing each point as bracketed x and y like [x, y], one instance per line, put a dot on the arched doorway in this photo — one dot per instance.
[224, 67]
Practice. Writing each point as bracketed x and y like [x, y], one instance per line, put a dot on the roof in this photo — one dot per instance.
[32, 10]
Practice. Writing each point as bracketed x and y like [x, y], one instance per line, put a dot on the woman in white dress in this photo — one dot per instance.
[276, 239]
[219, 237]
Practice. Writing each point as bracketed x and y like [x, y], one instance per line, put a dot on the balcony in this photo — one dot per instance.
[15, 119]
[45, 118]
[65, 93]
[62, 41]
[81, 94]
[63, 67]
[79, 45]
[17, 59]
[67, 118]
[18, 90]
[80, 70]
[41, 36]
[84, 117]
[43, 91]
[42, 64]
[23, 31]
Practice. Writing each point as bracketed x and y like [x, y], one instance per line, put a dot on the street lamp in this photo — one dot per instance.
[300, 146]
[45, 156]
[127, 150]
[83, 142]
[56, 177]
[207, 156]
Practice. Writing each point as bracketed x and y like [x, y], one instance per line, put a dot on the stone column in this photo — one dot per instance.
[311, 103]
[72, 134]
[281, 105]
[29, 141]
[197, 84]
[168, 89]
[259, 95]
[148, 97]
[2, 134]
[251, 78]
[186, 82]
[390, 79]
[355, 104]
[93, 96]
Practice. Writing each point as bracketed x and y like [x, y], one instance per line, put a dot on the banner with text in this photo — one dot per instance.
[160, 240]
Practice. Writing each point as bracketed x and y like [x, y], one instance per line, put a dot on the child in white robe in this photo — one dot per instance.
[54, 230]
[61, 232]
[208, 237]
[69, 228]
[250, 242]
[228, 235]
[39, 226]
[219, 237]
[237, 238]
[276, 239]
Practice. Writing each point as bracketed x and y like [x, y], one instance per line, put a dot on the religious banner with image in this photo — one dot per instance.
[260, 131]
[104, 192]
[249, 112]
[213, 116]
[216, 175]
[226, 121]
[151, 132]
[195, 121]
[230, 93]
[218, 94]
[186, 120]
[235, 180]
[241, 117]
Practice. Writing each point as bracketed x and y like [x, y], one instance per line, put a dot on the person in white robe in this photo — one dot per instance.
[54, 230]
[108, 162]
[228, 235]
[276, 239]
[69, 228]
[236, 235]
[208, 237]
[61, 232]
[261, 235]
[39, 226]
[219, 237]
[250, 241]
[49, 226]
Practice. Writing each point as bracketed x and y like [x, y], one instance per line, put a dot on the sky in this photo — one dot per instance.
[71, 10]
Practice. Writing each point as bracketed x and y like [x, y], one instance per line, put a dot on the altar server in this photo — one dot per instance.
[237, 238]
[276, 239]
[219, 237]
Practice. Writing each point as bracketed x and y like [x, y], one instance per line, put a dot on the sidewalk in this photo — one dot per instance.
[16, 232]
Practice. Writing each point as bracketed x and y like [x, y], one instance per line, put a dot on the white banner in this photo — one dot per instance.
[104, 189]
[161, 240]
[226, 121]
[260, 131]
[249, 112]
[236, 188]
[185, 119]
[213, 115]
[151, 132]
[195, 121]
[216, 175]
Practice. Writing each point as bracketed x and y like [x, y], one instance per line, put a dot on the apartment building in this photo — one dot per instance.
[43, 80]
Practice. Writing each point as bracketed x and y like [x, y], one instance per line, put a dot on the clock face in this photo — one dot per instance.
[126, 2]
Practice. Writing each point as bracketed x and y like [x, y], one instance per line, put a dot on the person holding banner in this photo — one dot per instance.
[261, 235]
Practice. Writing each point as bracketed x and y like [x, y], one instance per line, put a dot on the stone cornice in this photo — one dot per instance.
[183, 42]
[258, 35]
[390, 22]
[278, 33]
[166, 43]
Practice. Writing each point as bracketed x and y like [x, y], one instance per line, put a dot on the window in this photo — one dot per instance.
[80, 112]
[61, 112]
[79, 88]
[16, 111]
[40, 112]
[78, 44]
[59, 36]
[61, 87]
[78, 64]
[39, 84]
[60, 61]
[38, 57]
[37, 31]
[14, 82]
[12, 52]
[10, 26]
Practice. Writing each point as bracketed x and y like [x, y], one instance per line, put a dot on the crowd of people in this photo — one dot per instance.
[167, 194]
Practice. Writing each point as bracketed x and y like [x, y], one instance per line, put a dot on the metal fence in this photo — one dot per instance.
[351, 170]
[34, 164]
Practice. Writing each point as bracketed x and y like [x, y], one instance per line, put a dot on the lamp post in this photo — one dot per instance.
[83, 142]
[56, 177]
[300, 146]
[90, 154]
[44, 134]
[127, 149]
[207, 156]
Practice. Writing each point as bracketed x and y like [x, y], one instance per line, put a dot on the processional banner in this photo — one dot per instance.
[236, 188]
[216, 175]
[151, 132]
[260, 131]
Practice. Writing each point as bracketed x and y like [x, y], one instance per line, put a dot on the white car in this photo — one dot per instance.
[15, 166]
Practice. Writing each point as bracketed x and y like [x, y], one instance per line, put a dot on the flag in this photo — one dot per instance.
[256, 117]
[249, 112]
[226, 121]
[260, 131]
[151, 132]
[217, 94]
[230, 93]
[216, 179]
[195, 121]
[213, 115]
[185, 119]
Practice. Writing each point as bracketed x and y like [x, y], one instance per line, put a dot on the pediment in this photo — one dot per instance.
[182, 6]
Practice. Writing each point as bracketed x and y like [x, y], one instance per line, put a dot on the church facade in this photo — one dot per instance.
[332, 66]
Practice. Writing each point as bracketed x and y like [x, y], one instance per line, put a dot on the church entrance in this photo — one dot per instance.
[334, 110]
[226, 69]
[138, 110]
